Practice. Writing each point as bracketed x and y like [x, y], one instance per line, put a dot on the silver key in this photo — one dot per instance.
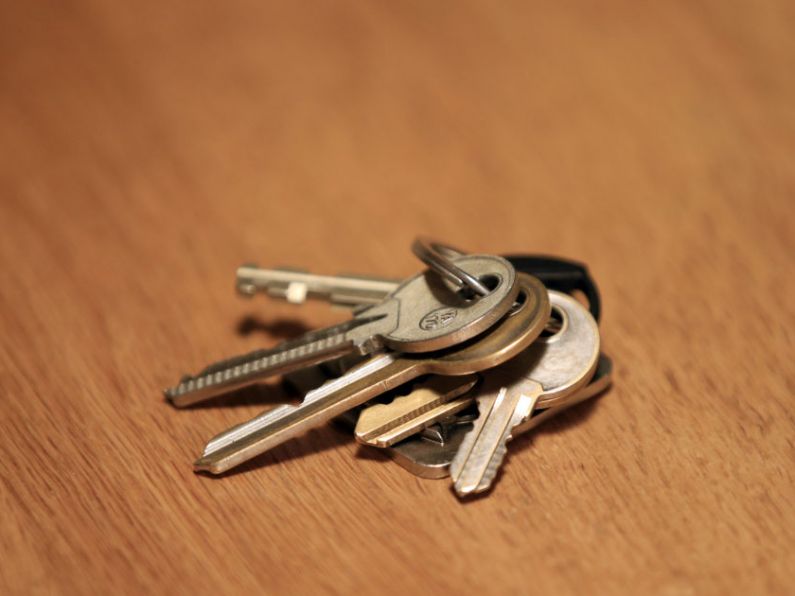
[550, 371]
[423, 314]
[296, 286]
[376, 376]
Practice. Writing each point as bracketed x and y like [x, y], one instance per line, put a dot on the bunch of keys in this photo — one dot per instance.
[441, 370]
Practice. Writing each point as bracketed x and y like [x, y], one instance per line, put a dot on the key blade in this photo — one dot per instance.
[296, 286]
[246, 371]
[241, 371]
[274, 427]
[478, 459]
[383, 425]
[420, 423]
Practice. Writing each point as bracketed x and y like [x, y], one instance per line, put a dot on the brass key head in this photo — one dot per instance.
[505, 340]
[427, 313]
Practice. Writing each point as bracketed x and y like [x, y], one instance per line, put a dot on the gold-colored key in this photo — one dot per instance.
[383, 425]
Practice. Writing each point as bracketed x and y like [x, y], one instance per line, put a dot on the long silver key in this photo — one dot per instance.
[549, 371]
[423, 314]
[376, 376]
[296, 286]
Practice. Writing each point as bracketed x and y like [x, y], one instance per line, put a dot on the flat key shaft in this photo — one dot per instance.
[357, 290]
[296, 286]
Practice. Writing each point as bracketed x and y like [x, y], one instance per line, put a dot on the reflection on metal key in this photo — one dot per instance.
[379, 374]
[423, 314]
[550, 371]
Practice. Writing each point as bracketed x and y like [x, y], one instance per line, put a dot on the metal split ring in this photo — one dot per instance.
[439, 257]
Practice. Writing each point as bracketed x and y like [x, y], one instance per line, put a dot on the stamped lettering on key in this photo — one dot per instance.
[438, 318]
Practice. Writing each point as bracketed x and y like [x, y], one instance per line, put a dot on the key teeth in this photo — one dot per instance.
[493, 468]
[423, 398]
[395, 422]
[464, 487]
[242, 367]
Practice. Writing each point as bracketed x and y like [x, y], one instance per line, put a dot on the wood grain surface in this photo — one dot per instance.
[148, 148]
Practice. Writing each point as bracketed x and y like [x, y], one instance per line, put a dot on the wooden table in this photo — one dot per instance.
[150, 148]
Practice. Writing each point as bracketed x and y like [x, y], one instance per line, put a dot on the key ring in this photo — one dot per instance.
[556, 273]
[439, 258]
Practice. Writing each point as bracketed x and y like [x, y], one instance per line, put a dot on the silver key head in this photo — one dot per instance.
[561, 363]
[426, 313]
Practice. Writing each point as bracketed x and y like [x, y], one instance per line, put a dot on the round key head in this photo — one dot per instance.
[562, 363]
[426, 313]
[508, 338]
